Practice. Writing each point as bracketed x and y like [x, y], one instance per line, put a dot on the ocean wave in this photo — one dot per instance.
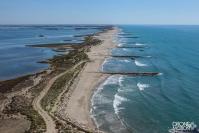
[121, 79]
[111, 117]
[120, 44]
[112, 80]
[126, 61]
[139, 63]
[148, 56]
[117, 102]
[139, 44]
[105, 61]
[142, 86]
[122, 40]
[97, 98]
[159, 74]
[125, 49]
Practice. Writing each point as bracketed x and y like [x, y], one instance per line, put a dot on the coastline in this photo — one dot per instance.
[37, 88]
[78, 107]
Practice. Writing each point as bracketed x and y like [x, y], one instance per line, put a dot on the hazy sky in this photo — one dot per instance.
[99, 11]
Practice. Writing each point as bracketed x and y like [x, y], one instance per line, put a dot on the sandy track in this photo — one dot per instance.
[54, 108]
[50, 124]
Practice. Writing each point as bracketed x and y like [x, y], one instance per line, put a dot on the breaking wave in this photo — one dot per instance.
[139, 44]
[117, 102]
[126, 61]
[105, 61]
[139, 63]
[141, 86]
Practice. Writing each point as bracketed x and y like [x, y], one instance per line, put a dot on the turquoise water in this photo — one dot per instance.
[125, 104]
[17, 59]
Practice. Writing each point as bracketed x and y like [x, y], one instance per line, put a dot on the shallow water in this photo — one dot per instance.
[16, 59]
[125, 104]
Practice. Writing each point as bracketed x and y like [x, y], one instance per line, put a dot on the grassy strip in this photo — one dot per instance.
[58, 86]
[67, 127]
[22, 105]
[16, 84]
[7, 85]
[65, 62]
[37, 122]
[90, 40]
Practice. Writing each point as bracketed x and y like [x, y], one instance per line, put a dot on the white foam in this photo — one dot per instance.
[159, 74]
[121, 79]
[142, 86]
[139, 44]
[105, 61]
[117, 102]
[122, 40]
[94, 119]
[120, 44]
[112, 80]
[125, 49]
[139, 63]
[126, 61]
[148, 56]
[117, 99]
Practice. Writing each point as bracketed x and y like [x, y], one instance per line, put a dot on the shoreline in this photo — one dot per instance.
[79, 104]
[90, 103]
[57, 47]
[38, 87]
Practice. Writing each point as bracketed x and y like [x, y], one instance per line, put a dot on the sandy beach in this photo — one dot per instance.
[78, 105]
[72, 76]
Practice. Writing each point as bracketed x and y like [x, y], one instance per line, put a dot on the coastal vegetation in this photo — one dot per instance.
[70, 65]
[8, 85]
[71, 72]
[27, 88]
[22, 105]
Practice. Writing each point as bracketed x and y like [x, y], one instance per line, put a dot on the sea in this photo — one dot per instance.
[18, 59]
[123, 103]
[165, 103]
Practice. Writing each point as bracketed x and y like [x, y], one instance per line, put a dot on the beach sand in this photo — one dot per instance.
[78, 108]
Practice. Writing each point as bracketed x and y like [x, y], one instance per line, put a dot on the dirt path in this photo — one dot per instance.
[50, 124]
[66, 87]
[78, 107]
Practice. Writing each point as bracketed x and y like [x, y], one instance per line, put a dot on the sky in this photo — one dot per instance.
[184, 12]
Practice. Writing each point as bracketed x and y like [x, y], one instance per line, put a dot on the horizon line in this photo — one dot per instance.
[97, 24]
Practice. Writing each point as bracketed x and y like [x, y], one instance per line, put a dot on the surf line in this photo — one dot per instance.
[130, 57]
